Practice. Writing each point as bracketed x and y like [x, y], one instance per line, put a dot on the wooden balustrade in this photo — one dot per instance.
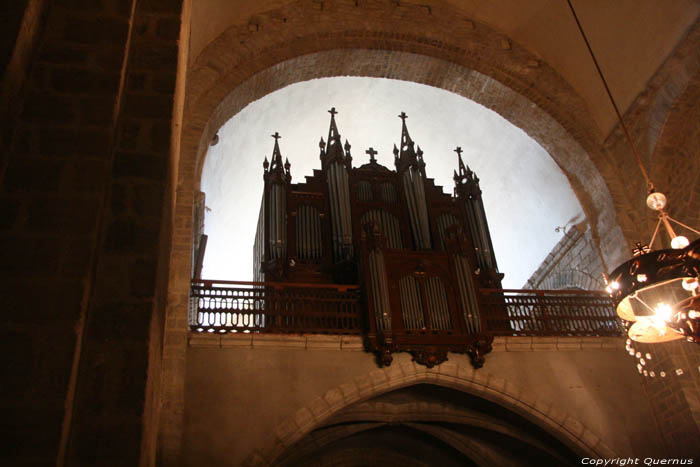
[549, 313]
[276, 307]
[234, 306]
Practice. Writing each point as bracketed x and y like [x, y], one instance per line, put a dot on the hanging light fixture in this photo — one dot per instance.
[657, 292]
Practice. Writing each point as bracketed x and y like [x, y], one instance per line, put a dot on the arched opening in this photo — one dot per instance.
[427, 424]
[525, 194]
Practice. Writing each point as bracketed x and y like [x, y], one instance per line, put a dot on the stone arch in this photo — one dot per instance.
[295, 43]
[563, 426]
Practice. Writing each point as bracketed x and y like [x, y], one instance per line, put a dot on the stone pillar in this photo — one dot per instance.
[84, 203]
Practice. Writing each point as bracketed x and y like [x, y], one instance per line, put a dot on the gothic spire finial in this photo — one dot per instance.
[407, 155]
[334, 147]
[462, 169]
[276, 161]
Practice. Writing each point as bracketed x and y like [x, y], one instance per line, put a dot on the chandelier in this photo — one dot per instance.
[656, 292]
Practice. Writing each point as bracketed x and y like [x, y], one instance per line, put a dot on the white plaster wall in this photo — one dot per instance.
[526, 196]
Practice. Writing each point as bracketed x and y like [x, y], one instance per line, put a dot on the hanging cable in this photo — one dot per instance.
[650, 185]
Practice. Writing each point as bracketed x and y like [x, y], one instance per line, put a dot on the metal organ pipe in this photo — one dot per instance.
[339, 194]
[437, 299]
[479, 232]
[380, 290]
[470, 307]
[308, 233]
[388, 224]
[417, 208]
[278, 231]
[411, 304]
[443, 223]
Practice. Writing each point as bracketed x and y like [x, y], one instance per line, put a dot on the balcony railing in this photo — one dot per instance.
[234, 306]
[549, 313]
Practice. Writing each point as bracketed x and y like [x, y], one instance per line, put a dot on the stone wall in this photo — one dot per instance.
[249, 397]
[83, 201]
[573, 263]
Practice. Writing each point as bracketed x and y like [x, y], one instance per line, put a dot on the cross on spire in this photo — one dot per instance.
[462, 169]
[371, 153]
[332, 111]
[276, 136]
[403, 116]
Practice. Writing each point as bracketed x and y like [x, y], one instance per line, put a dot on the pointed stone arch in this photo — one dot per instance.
[530, 406]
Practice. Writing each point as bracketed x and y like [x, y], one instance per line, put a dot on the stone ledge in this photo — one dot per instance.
[355, 344]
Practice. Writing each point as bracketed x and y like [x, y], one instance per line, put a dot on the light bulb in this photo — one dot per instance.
[690, 283]
[679, 242]
[692, 314]
[662, 312]
[641, 277]
[615, 285]
[656, 201]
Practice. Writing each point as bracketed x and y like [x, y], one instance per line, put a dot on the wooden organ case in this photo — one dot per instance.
[419, 255]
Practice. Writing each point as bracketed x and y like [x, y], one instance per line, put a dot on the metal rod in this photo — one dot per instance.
[650, 185]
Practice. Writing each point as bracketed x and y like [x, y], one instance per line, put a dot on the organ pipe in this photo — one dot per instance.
[387, 223]
[468, 194]
[467, 293]
[308, 233]
[277, 178]
[336, 162]
[410, 164]
[380, 290]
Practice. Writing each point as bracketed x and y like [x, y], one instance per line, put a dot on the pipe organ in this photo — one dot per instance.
[420, 255]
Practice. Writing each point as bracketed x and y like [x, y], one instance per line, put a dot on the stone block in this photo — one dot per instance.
[350, 391]
[204, 339]
[518, 344]
[499, 344]
[286, 431]
[568, 343]
[322, 342]
[304, 419]
[544, 343]
[278, 341]
[352, 343]
[334, 398]
[319, 408]
[237, 340]
[590, 342]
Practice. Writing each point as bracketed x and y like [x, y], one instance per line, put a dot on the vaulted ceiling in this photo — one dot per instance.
[631, 38]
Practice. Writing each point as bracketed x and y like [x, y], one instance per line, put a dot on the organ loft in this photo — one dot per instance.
[385, 255]
[417, 255]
